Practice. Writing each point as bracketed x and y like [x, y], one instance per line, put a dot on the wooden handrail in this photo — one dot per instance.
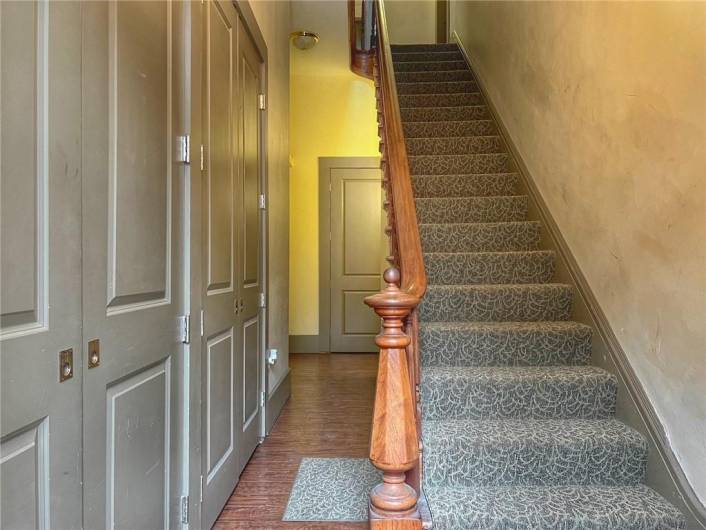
[362, 56]
[395, 445]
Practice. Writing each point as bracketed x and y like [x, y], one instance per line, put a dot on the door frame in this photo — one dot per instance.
[326, 164]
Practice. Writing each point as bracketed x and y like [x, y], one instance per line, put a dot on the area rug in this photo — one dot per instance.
[332, 489]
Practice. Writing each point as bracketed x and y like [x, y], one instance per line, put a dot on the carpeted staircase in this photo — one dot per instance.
[518, 428]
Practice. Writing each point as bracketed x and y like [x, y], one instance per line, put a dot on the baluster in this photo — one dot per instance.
[394, 444]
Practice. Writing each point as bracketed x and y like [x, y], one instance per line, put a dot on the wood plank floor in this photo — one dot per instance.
[329, 414]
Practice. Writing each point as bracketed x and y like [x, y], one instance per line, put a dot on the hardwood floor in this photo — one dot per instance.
[329, 414]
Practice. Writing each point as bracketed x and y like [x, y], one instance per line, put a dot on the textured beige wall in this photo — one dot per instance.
[273, 17]
[411, 21]
[607, 104]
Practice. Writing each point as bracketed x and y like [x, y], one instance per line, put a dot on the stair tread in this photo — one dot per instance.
[504, 374]
[561, 325]
[531, 431]
[552, 507]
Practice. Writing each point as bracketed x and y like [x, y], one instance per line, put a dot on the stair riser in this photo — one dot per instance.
[449, 87]
[431, 129]
[468, 463]
[455, 146]
[556, 508]
[423, 66]
[407, 48]
[464, 185]
[492, 347]
[472, 209]
[497, 303]
[440, 100]
[483, 268]
[437, 76]
[481, 237]
[426, 56]
[478, 112]
[459, 164]
[452, 397]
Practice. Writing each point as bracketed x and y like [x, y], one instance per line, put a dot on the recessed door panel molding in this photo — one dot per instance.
[138, 434]
[139, 157]
[352, 252]
[251, 371]
[24, 472]
[220, 365]
[361, 223]
[220, 155]
[25, 171]
[250, 88]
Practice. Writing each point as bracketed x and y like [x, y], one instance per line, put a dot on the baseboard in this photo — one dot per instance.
[304, 344]
[277, 400]
[665, 474]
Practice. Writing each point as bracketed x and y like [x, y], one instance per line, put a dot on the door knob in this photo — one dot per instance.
[94, 353]
[66, 364]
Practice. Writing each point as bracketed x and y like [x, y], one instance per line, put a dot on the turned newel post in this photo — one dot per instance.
[394, 443]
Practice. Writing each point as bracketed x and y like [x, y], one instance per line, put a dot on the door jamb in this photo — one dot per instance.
[326, 164]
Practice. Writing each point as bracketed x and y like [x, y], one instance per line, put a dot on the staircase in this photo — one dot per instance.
[518, 427]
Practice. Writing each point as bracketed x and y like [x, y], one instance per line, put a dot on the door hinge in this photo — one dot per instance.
[202, 164]
[261, 201]
[201, 489]
[262, 299]
[262, 399]
[201, 323]
[183, 149]
[261, 101]
[185, 329]
[185, 509]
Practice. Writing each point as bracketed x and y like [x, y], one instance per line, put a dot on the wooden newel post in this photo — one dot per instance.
[394, 443]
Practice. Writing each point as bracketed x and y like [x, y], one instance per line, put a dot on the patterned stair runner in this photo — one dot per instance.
[518, 429]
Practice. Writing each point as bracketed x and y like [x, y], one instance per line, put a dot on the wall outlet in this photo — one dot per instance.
[272, 356]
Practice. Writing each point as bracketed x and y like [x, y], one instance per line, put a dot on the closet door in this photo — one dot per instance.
[249, 237]
[40, 264]
[220, 344]
[132, 210]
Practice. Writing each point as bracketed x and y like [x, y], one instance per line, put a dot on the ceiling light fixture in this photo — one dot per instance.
[304, 40]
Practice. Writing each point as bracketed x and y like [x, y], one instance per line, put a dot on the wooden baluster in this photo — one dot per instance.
[394, 443]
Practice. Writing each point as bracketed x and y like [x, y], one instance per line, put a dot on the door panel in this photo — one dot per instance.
[138, 434]
[221, 399]
[40, 263]
[357, 252]
[219, 388]
[249, 236]
[132, 209]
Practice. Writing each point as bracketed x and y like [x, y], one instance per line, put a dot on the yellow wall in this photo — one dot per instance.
[332, 114]
[273, 18]
[606, 102]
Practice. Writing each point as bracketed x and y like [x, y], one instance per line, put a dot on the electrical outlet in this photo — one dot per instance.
[272, 356]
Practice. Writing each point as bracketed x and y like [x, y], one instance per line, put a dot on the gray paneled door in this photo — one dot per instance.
[40, 264]
[249, 223]
[132, 211]
[232, 320]
[357, 256]
[220, 344]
